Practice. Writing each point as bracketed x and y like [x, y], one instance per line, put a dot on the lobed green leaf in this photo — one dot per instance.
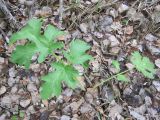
[43, 44]
[23, 54]
[143, 65]
[52, 85]
[52, 33]
[77, 53]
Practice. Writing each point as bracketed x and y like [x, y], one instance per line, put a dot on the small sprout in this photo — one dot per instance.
[142, 64]
[120, 76]
[14, 117]
[116, 64]
[21, 114]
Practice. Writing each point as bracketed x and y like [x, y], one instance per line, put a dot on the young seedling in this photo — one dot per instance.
[46, 44]
[141, 64]
[120, 76]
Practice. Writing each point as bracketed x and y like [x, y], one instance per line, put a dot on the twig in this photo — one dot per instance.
[154, 2]
[92, 9]
[5, 108]
[60, 13]
[4, 35]
[8, 14]
[101, 83]
[134, 3]
[88, 80]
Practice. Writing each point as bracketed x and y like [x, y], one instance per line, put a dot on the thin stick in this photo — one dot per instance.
[60, 13]
[101, 83]
[8, 14]
[92, 9]
[4, 35]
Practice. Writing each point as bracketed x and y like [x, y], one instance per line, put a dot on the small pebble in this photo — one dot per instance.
[35, 67]
[157, 63]
[83, 27]
[113, 13]
[148, 101]
[85, 108]
[156, 85]
[21, 1]
[29, 3]
[12, 72]
[123, 8]
[6, 101]
[14, 89]
[2, 60]
[2, 90]
[31, 87]
[157, 8]
[94, 1]
[150, 37]
[25, 103]
[137, 115]
[129, 30]
[68, 92]
[44, 12]
[88, 2]
[65, 117]
[127, 91]
[156, 16]
[12, 81]
[129, 66]
[115, 110]
[106, 42]
[115, 50]
[42, 105]
[3, 117]
[88, 38]
[35, 97]
[114, 41]
[98, 34]
[15, 98]
[154, 50]
[134, 43]
[30, 110]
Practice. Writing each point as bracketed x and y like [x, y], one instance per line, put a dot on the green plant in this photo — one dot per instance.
[21, 114]
[14, 117]
[141, 64]
[46, 44]
[120, 77]
[18, 117]
[125, 21]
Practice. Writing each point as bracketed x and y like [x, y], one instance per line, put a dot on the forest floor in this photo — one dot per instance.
[114, 29]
